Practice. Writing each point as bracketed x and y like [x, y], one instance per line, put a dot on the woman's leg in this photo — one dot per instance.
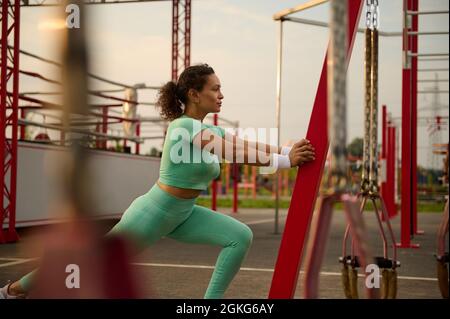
[150, 217]
[205, 226]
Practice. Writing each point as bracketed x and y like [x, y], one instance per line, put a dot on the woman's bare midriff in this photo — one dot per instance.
[179, 192]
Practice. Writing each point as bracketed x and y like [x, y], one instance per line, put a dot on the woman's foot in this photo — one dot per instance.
[11, 291]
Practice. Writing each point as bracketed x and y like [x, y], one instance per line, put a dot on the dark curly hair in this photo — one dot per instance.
[172, 94]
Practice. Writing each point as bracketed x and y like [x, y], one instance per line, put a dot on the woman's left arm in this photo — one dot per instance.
[246, 144]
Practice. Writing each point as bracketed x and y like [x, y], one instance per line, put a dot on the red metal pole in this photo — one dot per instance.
[415, 28]
[187, 33]
[105, 125]
[390, 196]
[384, 181]
[235, 187]
[22, 127]
[175, 13]
[254, 182]
[384, 132]
[8, 147]
[304, 195]
[406, 191]
[214, 182]
[3, 82]
[12, 234]
[138, 133]
[177, 38]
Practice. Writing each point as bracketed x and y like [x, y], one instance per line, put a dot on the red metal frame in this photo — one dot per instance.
[384, 153]
[388, 156]
[414, 47]
[304, 195]
[442, 232]
[181, 35]
[105, 125]
[235, 187]
[138, 133]
[214, 182]
[383, 132]
[10, 24]
[22, 127]
[390, 173]
[407, 198]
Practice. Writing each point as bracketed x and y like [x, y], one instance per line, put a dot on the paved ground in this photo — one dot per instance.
[170, 269]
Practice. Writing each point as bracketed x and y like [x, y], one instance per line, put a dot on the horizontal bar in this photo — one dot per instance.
[152, 119]
[90, 105]
[310, 4]
[427, 32]
[438, 92]
[440, 144]
[437, 80]
[326, 25]
[79, 131]
[433, 108]
[432, 59]
[433, 70]
[428, 54]
[426, 12]
[423, 118]
[88, 2]
[90, 74]
[151, 137]
[87, 123]
[122, 90]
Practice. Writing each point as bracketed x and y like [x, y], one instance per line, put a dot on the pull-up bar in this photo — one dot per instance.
[327, 25]
[428, 54]
[308, 5]
[433, 70]
[427, 32]
[426, 12]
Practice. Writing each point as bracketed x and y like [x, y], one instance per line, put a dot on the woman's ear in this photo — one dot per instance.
[193, 96]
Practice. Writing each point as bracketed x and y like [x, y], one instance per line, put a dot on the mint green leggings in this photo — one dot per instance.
[157, 214]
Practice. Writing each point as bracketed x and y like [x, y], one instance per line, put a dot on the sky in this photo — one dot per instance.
[131, 43]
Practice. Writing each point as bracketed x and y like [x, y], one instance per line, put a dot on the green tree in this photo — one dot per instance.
[355, 148]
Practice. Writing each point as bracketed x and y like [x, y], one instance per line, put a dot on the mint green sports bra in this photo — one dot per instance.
[183, 164]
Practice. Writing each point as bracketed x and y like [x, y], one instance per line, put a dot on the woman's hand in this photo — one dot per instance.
[301, 153]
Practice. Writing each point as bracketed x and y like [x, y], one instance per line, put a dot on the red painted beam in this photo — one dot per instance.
[304, 195]
[414, 43]
[390, 196]
[384, 189]
[406, 185]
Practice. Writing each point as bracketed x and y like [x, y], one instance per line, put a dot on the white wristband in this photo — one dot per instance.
[281, 161]
[277, 161]
[285, 150]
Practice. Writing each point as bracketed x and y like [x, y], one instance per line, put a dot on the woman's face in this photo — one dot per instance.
[210, 98]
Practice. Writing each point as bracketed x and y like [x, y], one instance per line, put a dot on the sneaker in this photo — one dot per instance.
[4, 293]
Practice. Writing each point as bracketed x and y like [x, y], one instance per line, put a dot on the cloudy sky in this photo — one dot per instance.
[131, 43]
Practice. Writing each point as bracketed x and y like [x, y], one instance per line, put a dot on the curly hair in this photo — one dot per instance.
[172, 95]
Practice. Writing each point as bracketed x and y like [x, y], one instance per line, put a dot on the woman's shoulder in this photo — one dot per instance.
[181, 121]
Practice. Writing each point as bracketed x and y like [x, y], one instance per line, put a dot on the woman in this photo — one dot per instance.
[188, 164]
